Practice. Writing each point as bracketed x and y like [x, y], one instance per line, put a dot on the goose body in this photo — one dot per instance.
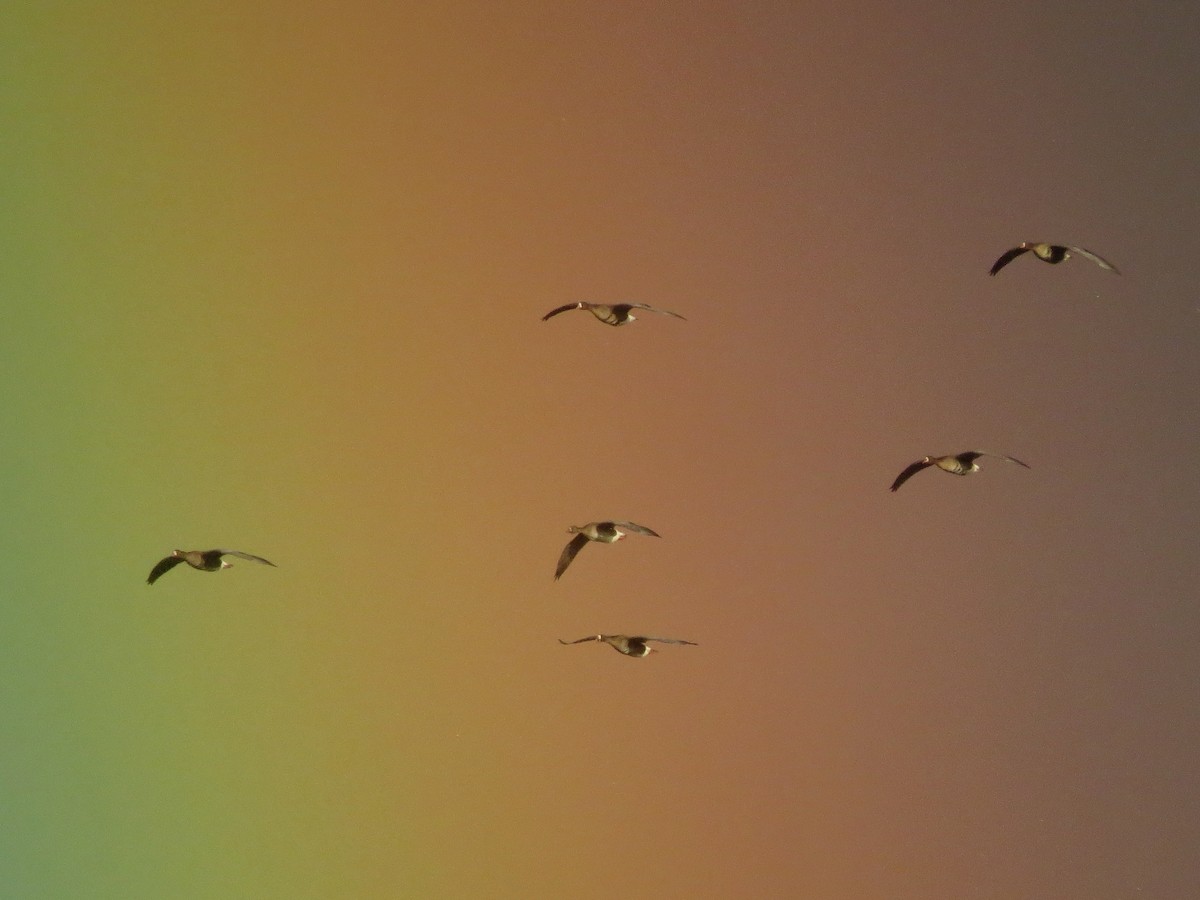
[617, 314]
[1050, 253]
[602, 532]
[204, 560]
[956, 464]
[636, 646]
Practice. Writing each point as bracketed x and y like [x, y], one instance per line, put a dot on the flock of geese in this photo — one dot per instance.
[609, 532]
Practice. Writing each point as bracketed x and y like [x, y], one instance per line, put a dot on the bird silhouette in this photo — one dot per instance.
[204, 560]
[1051, 253]
[604, 532]
[629, 645]
[956, 464]
[618, 314]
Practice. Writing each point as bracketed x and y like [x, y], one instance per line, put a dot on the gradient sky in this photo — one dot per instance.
[272, 277]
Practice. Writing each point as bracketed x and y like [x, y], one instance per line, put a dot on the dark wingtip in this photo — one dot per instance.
[560, 309]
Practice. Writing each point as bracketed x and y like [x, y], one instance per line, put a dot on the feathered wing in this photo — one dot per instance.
[666, 641]
[1006, 259]
[1004, 456]
[569, 552]
[909, 473]
[971, 455]
[163, 566]
[1098, 260]
[583, 640]
[250, 556]
[662, 312]
[562, 309]
[637, 529]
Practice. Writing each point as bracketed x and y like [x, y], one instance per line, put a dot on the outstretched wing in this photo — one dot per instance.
[562, 309]
[1006, 259]
[250, 556]
[648, 308]
[909, 473]
[591, 637]
[637, 529]
[665, 641]
[569, 552]
[975, 454]
[1098, 260]
[164, 565]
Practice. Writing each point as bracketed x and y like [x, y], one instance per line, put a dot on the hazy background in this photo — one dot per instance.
[271, 279]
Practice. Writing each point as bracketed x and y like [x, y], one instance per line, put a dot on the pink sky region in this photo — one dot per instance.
[273, 279]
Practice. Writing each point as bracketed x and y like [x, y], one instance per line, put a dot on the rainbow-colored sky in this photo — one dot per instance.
[271, 279]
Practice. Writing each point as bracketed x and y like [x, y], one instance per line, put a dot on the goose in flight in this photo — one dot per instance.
[958, 464]
[610, 315]
[605, 532]
[1051, 253]
[204, 560]
[630, 646]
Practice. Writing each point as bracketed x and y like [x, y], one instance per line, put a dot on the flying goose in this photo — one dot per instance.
[610, 315]
[630, 646]
[605, 532]
[1051, 253]
[205, 560]
[958, 464]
